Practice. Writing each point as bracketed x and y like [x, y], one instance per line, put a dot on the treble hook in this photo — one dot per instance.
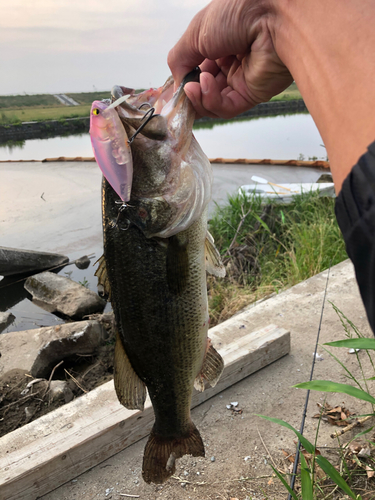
[150, 114]
[115, 224]
[145, 104]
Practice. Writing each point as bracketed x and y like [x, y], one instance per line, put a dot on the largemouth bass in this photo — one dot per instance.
[156, 251]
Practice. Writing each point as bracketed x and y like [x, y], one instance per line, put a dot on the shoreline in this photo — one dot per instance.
[52, 128]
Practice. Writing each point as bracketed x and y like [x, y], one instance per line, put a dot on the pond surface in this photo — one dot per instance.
[277, 137]
[280, 137]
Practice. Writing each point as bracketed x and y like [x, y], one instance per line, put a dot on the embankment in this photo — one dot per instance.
[52, 128]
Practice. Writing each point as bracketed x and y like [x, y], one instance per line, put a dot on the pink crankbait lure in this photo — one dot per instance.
[111, 148]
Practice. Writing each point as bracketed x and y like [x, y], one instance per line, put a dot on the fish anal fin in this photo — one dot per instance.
[213, 366]
[214, 264]
[130, 389]
[161, 453]
[102, 276]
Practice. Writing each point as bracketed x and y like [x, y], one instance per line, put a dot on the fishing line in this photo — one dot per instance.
[295, 465]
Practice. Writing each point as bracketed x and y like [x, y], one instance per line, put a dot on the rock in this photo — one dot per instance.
[6, 319]
[38, 351]
[60, 389]
[82, 262]
[62, 295]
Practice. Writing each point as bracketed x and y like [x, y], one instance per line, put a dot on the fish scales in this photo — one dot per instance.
[164, 334]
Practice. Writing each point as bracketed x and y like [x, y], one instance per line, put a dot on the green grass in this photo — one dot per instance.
[89, 97]
[28, 101]
[288, 94]
[42, 114]
[276, 247]
[19, 108]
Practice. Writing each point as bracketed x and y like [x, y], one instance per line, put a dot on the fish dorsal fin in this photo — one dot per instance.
[214, 264]
[102, 276]
[212, 368]
[130, 389]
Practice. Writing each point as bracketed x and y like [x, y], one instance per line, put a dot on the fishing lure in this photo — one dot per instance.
[111, 147]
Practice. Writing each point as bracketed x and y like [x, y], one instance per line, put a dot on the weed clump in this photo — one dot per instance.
[269, 247]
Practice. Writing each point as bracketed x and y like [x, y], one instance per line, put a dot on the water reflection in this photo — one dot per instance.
[15, 298]
[277, 137]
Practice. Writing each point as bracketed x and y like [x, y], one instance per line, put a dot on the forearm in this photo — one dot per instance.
[328, 48]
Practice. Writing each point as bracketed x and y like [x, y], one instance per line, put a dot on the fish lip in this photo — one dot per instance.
[193, 76]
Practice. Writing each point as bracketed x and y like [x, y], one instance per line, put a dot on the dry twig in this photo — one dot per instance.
[76, 381]
[50, 378]
[21, 399]
[269, 454]
[126, 495]
[90, 368]
[350, 427]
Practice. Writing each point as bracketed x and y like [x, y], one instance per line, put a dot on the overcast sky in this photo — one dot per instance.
[81, 45]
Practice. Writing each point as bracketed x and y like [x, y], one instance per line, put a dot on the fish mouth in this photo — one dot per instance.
[193, 76]
[163, 100]
[172, 177]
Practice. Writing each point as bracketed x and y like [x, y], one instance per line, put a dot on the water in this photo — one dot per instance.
[276, 137]
[280, 137]
[14, 297]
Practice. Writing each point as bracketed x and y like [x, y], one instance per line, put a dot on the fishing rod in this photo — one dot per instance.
[295, 465]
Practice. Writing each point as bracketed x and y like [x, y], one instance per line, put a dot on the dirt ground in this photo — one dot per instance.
[240, 446]
[82, 373]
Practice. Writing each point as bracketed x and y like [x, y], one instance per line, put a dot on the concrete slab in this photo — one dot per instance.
[230, 438]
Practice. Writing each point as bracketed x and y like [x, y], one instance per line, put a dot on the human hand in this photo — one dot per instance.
[232, 41]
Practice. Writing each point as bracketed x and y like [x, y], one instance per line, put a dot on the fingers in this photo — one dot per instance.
[211, 98]
[218, 30]
[236, 54]
[185, 55]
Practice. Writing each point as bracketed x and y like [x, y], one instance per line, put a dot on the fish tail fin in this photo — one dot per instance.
[161, 453]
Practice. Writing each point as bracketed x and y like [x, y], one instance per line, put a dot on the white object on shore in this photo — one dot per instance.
[260, 180]
[283, 194]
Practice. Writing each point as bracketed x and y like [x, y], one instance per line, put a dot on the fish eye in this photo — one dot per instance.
[95, 111]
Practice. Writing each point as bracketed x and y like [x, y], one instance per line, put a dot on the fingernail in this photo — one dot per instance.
[204, 85]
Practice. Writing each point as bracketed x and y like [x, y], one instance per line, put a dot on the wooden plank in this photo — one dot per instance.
[59, 446]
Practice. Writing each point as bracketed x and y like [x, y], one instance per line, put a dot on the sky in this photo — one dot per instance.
[58, 46]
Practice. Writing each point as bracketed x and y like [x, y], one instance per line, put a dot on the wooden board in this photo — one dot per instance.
[59, 446]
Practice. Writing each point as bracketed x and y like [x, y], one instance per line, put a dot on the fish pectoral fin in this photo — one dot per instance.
[214, 264]
[177, 264]
[130, 389]
[102, 275]
[161, 453]
[213, 366]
